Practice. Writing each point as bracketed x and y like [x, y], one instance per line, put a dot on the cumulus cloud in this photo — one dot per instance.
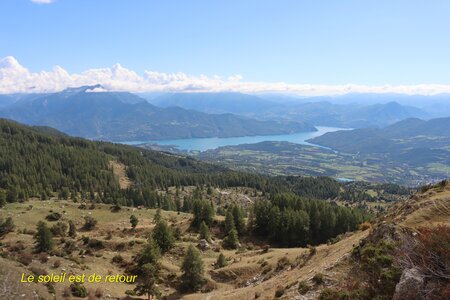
[15, 78]
[43, 1]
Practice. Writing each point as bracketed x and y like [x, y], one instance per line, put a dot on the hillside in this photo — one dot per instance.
[123, 116]
[397, 138]
[54, 186]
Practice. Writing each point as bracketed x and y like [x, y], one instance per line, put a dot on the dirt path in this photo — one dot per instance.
[119, 170]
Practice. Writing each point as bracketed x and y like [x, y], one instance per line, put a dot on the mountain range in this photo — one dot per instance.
[124, 116]
[343, 111]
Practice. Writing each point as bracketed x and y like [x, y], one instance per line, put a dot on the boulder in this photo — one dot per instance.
[203, 245]
[410, 285]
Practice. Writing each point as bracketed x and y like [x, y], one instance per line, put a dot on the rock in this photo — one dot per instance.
[410, 285]
[203, 245]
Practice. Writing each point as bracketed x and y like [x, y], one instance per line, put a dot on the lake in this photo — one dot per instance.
[203, 144]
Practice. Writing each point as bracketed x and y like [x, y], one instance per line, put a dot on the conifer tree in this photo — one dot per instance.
[43, 238]
[72, 229]
[163, 236]
[148, 268]
[231, 241]
[238, 217]
[229, 221]
[204, 232]
[221, 261]
[133, 221]
[192, 267]
[157, 216]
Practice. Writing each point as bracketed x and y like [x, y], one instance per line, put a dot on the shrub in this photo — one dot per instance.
[303, 287]
[89, 223]
[279, 292]
[25, 258]
[377, 260]
[364, 226]
[78, 290]
[53, 216]
[318, 278]
[117, 259]
[7, 226]
[95, 244]
[43, 257]
[59, 229]
[312, 250]
[57, 264]
[282, 263]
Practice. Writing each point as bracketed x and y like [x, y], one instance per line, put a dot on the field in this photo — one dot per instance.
[283, 158]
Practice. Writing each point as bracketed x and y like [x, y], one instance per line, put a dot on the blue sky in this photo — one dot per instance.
[308, 42]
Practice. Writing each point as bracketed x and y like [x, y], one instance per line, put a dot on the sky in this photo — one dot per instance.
[294, 46]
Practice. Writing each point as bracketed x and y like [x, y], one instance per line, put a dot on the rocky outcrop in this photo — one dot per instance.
[410, 285]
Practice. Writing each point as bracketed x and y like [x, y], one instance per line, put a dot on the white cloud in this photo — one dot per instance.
[43, 1]
[14, 78]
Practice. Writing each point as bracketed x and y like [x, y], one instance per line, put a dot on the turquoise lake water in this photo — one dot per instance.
[203, 144]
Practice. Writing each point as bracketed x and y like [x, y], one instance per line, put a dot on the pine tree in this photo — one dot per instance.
[238, 217]
[231, 241]
[163, 236]
[157, 216]
[229, 221]
[133, 221]
[192, 267]
[150, 254]
[204, 232]
[72, 229]
[43, 238]
[221, 261]
[148, 269]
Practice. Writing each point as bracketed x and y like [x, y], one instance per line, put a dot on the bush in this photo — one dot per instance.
[95, 244]
[318, 278]
[282, 263]
[7, 226]
[364, 226]
[53, 216]
[59, 229]
[279, 292]
[117, 259]
[57, 264]
[89, 223]
[377, 260]
[78, 290]
[43, 257]
[303, 287]
[26, 259]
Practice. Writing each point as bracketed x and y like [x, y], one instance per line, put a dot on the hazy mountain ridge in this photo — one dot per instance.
[351, 110]
[125, 117]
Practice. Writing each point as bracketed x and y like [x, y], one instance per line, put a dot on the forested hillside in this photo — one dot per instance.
[40, 162]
